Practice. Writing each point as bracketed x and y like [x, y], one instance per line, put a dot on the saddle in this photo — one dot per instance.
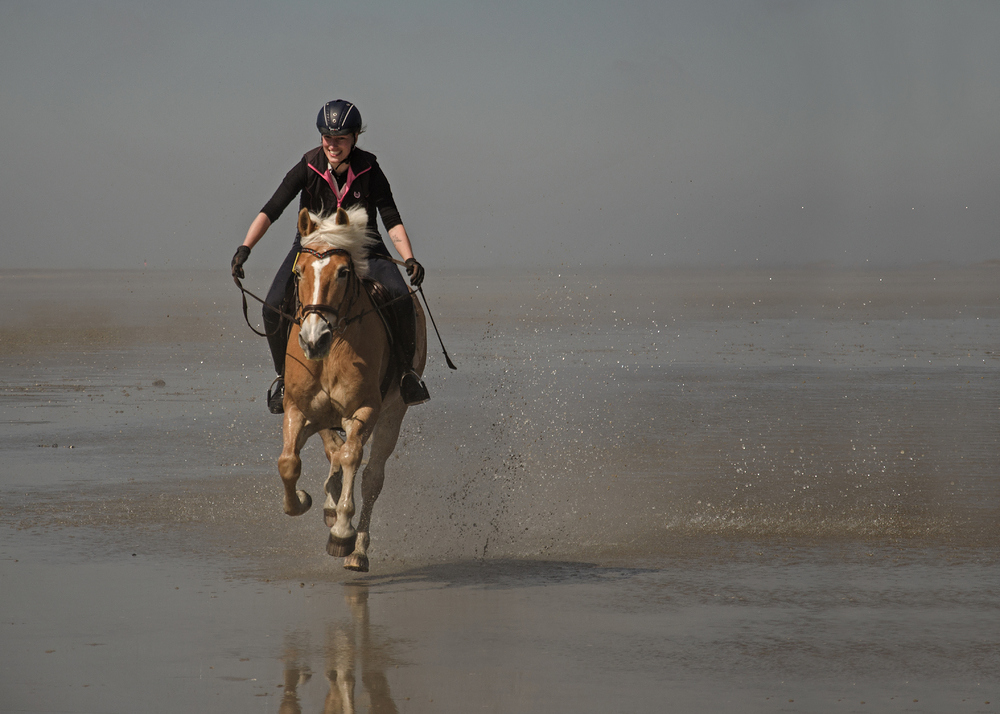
[390, 313]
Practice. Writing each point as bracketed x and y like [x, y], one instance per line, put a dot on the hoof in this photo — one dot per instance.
[330, 517]
[339, 548]
[356, 562]
[305, 503]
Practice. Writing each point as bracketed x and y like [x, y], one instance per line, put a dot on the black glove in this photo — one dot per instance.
[242, 253]
[415, 270]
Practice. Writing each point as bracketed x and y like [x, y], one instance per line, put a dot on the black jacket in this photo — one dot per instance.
[312, 180]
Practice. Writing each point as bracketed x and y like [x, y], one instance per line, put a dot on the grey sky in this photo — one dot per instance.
[636, 133]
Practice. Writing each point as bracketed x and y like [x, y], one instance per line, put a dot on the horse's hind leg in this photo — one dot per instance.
[383, 443]
[290, 465]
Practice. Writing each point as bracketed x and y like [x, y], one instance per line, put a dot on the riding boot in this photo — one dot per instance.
[277, 340]
[276, 396]
[411, 388]
[277, 328]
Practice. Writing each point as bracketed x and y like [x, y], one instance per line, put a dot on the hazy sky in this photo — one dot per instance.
[517, 133]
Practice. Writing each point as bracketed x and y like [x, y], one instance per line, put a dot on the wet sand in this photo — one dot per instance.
[687, 491]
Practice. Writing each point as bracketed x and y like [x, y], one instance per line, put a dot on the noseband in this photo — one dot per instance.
[319, 309]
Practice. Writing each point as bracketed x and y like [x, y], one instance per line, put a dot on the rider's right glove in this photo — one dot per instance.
[242, 253]
[415, 270]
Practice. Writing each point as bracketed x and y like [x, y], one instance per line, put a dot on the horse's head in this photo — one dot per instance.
[328, 273]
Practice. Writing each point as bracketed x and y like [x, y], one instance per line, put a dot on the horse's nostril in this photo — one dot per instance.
[315, 346]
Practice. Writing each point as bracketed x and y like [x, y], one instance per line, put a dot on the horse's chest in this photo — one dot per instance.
[321, 404]
[337, 401]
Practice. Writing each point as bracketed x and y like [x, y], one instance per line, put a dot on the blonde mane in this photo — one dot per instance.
[351, 236]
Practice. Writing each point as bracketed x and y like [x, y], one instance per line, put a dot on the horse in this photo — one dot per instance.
[339, 369]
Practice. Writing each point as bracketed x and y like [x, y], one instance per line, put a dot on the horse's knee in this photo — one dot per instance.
[350, 455]
[289, 466]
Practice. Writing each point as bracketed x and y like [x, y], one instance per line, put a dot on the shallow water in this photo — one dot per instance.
[675, 491]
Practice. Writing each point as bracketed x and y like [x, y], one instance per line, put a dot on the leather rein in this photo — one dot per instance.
[302, 311]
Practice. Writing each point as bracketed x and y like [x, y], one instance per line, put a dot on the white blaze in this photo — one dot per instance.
[317, 273]
[313, 326]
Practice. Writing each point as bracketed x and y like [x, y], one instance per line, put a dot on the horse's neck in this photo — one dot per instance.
[362, 299]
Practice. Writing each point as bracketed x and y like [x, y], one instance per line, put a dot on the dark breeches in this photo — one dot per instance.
[381, 269]
[386, 272]
[405, 342]
[274, 325]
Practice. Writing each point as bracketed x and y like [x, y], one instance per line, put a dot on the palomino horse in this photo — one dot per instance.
[337, 364]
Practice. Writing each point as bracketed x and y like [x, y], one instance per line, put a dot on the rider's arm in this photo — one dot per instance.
[399, 239]
[381, 197]
[257, 230]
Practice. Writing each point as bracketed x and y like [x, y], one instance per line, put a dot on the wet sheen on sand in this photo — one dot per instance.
[677, 491]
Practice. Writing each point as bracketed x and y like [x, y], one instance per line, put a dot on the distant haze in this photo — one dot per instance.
[752, 132]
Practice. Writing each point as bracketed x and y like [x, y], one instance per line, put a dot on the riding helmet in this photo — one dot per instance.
[338, 118]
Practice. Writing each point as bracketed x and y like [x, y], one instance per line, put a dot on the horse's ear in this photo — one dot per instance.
[306, 225]
[342, 219]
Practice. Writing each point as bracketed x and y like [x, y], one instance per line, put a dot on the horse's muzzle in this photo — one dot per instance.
[315, 337]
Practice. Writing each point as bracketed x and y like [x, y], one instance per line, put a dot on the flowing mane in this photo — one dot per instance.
[351, 236]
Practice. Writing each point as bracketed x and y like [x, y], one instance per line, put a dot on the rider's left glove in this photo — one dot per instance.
[242, 253]
[415, 270]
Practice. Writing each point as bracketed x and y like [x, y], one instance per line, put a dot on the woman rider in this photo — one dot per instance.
[339, 174]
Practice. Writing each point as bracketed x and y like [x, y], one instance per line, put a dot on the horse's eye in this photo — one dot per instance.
[343, 272]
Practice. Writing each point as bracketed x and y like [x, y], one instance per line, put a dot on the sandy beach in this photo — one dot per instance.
[672, 491]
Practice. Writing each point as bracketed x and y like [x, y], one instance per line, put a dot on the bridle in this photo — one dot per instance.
[340, 320]
[302, 311]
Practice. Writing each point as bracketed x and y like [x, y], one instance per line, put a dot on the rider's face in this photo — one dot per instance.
[337, 148]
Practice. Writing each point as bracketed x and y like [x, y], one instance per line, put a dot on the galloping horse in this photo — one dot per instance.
[339, 376]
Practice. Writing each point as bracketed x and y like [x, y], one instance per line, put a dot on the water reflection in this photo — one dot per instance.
[350, 648]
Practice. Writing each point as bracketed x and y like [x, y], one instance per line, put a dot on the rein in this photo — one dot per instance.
[342, 323]
[306, 309]
[246, 292]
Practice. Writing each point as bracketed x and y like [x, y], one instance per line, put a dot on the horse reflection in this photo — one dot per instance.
[350, 648]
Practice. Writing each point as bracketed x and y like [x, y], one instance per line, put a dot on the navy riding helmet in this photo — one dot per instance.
[338, 118]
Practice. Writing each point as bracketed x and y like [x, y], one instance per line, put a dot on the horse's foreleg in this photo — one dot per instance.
[383, 443]
[290, 465]
[334, 480]
[342, 533]
[331, 443]
[333, 487]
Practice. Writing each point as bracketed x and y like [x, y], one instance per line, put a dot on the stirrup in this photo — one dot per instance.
[413, 390]
[276, 398]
